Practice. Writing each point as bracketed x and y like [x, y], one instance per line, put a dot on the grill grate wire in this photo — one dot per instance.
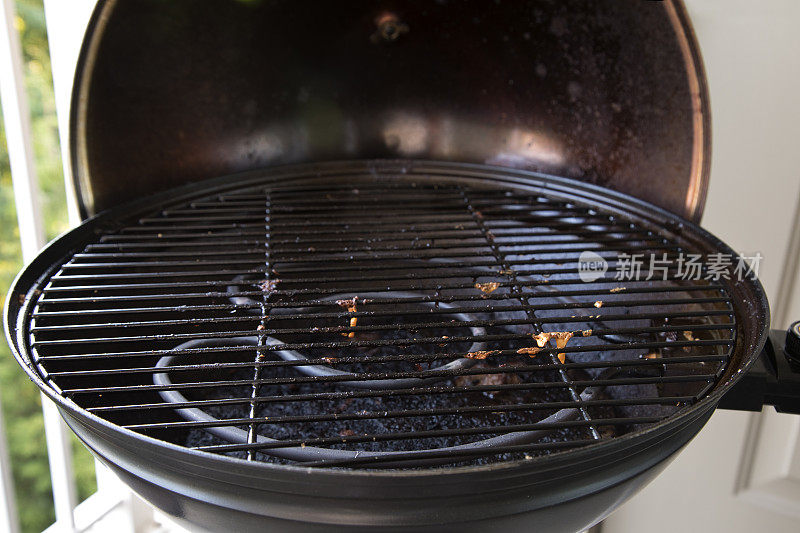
[447, 267]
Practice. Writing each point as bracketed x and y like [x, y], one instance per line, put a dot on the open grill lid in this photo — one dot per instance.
[611, 93]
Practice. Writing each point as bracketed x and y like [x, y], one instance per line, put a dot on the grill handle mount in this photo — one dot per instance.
[774, 379]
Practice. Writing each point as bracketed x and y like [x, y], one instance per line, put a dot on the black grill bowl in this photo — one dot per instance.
[568, 492]
[566, 487]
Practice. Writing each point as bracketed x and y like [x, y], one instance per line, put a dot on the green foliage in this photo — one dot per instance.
[20, 398]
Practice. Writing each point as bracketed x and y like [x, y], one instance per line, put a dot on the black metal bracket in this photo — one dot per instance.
[774, 379]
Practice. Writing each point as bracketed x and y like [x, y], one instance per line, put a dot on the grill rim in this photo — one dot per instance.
[51, 258]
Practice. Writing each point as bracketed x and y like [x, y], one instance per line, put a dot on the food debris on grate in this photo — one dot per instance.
[488, 287]
[482, 354]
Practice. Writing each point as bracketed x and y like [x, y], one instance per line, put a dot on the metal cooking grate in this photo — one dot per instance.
[357, 320]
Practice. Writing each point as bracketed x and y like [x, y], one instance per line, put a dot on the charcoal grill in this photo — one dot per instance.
[368, 274]
[395, 342]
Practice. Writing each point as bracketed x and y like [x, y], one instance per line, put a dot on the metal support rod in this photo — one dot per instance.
[9, 521]
[9, 87]
[59, 454]
[18, 136]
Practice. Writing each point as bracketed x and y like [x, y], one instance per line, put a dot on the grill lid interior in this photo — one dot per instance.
[380, 315]
[611, 93]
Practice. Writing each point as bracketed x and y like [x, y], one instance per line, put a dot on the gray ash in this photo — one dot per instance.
[352, 402]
